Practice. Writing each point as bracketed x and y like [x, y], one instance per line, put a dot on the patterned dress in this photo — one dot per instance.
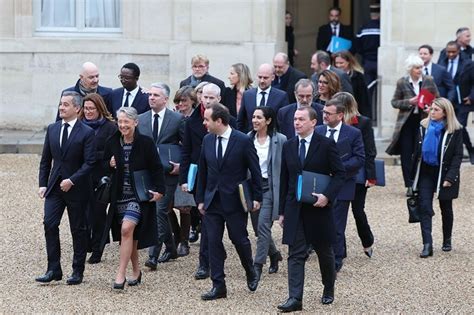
[128, 207]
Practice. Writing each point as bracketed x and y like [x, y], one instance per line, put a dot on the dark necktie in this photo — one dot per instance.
[334, 30]
[331, 135]
[219, 151]
[426, 71]
[302, 151]
[65, 134]
[125, 104]
[262, 100]
[155, 127]
[451, 68]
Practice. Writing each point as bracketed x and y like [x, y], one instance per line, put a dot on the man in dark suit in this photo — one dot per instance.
[463, 39]
[350, 145]
[333, 28]
[89, 83]
[164, 127]
[455, 63]
[466, 88]
[200, 68]
[130, 94]
[304, 93]
[305, 224]
[69, 147]
[227, 156]
[263, 95]
[441, 77]
[321, 61]
[286, 76]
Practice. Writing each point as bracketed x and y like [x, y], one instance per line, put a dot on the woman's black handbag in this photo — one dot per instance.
[102, 191]
[413, 206]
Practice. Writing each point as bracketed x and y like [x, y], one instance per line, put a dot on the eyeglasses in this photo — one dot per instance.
[199, 66]
[323, 82]
[328, 113]
[90, 109]
[125, 78]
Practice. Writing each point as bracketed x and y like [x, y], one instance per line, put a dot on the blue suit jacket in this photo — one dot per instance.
[286, 116]
[75, 161]
[276, 100]
[443, 82]
[239, 158]
[140, 102]
[352, 153]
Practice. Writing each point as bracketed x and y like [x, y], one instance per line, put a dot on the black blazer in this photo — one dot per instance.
[240, 157]
[466, 85]
[364, 124]
[140, 102]
[322, 157]
[208, 78]
[443, 82]
[75, 161]
[102, 134]
[286, 114]
[325, 35]
[294, 75]
[451, 153]
[230, 100]
[361, 93]
[463, 62]
[144, 156]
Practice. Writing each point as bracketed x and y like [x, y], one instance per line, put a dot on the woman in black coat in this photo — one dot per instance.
[436, 164]
[133, 223]
[353, 118]
[94, 113]
[240, 80]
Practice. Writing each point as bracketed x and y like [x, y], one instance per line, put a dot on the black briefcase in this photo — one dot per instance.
[102, 191]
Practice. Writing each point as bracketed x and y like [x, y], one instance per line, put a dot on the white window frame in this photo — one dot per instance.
[79, 29]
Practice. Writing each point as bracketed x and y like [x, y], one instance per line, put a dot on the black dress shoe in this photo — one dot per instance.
[427, 251]
[291, 305]
[136, 281]
[447, 245]
[152, 262]
[327, 299]
[50, 276]
[183, 249]
[95, 258]
[258, 270]
[274, 260]
[193, 236]
[369, 252]
[202, 273]
[167, 256]
[119, 286]
[338, 266]
[215, 293]
[252, 280]
[74, 279]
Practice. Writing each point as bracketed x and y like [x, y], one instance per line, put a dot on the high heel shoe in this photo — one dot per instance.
[427, 250]
[136, 281]
[369, 252]
[120, 286]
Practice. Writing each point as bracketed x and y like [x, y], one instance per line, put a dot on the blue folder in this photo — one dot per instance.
[308, 183]
[379, 174]
[193, 168]
[339, 43]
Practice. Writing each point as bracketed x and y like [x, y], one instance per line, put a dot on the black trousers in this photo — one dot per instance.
[297, 259]
[426, 189]
[363, 227]
[407, 143]
[215, 220]
[54, 206]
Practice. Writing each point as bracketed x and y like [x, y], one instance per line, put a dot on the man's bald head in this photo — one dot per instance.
[211, 93]
[89, 76]
[281, 63]
[265, 75]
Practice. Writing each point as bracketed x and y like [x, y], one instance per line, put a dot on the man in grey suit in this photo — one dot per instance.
[164, 127]
[322, 61]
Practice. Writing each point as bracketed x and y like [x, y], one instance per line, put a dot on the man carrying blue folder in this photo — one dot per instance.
[303, 223]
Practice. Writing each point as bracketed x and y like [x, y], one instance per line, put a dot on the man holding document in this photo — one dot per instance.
[305, 223]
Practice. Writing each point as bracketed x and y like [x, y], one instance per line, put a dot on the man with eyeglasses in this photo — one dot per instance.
[304, 93]
[200, 69]
[89, 83]
[352, 153]
[130, 94]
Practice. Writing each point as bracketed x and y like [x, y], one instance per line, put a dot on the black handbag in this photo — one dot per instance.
[413, 206]
[102, 191]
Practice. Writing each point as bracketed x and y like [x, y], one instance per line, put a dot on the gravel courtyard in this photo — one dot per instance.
[394, 280]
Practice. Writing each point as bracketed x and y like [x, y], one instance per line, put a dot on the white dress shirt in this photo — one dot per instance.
[262, 153]
[131, 97]
[307, 143]
[259, 96]
[225, 140]
[336, 133]
[69, 129]
[161, 115]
